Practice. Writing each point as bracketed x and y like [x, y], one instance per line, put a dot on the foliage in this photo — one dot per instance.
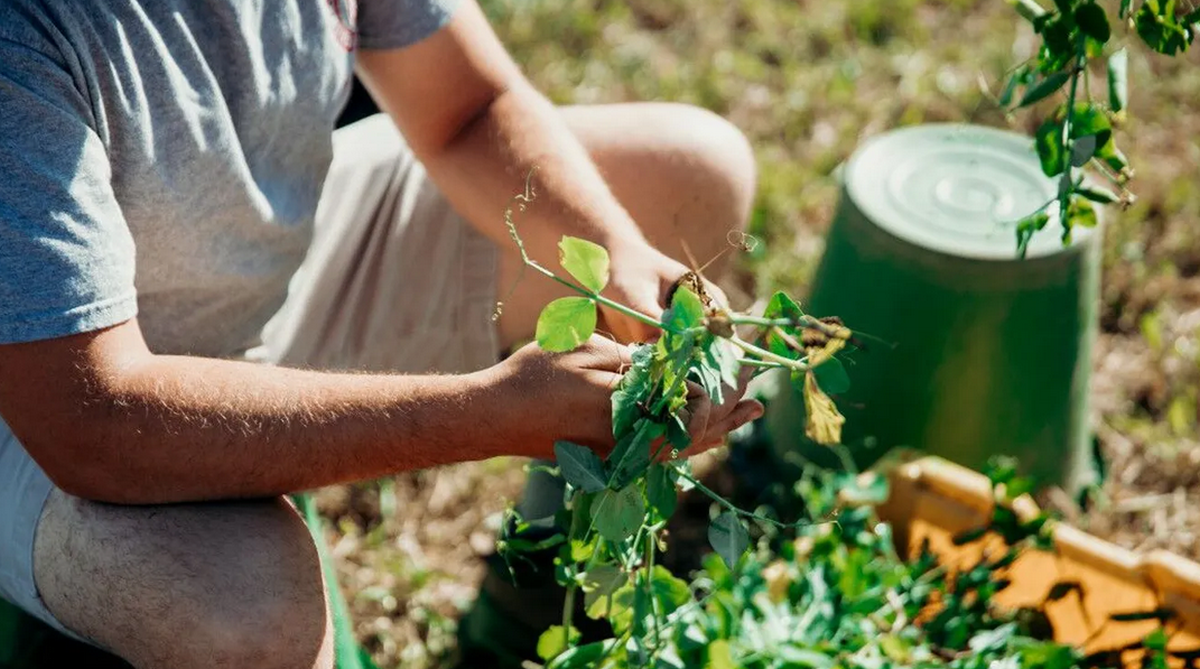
[1075, 142]
[616, 509]
[839, 596]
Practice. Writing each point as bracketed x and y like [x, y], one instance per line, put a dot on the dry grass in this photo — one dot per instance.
[808, 81]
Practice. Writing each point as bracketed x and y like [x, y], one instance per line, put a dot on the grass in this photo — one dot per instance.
[808, 81]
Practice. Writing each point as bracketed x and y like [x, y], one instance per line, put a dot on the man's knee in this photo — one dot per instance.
[196, 585]
[725, 155]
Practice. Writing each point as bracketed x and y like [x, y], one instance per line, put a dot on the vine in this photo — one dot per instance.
[1075, 142]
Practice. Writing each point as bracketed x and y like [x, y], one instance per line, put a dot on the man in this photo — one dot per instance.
[175, 210]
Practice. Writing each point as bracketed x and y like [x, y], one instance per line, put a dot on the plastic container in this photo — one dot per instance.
[985, 353]
[933, 499]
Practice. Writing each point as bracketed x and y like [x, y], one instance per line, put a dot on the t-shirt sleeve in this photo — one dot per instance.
[66, 254]
[390, 24]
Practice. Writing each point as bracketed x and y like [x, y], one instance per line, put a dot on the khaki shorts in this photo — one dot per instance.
[395, 281]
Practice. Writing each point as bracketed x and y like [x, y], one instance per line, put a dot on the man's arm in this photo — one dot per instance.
[479, 127]
[108, 420]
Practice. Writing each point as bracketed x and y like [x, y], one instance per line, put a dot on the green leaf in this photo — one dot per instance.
[992, 640]
[721, 355]
[580, 466]
[720, 656]
[583, 657]
[660, 490]
[618, 514]
[599, 583]
[632, 454]
[1020, 77]
[1097, 194]
[1088, 119]
[1044, 88]
[1081, 212]
[1027, 227]
[671, 592]
[634, 389]
[554, 641]
[1048, 141]
[782, 306]
[1091, 19]
[687, 311]
[728, 538]
[566, 323]
[584, 260]
[1082, 150]
[1118, 80]
[831, 376]
[1113, 157]
[1123, 11]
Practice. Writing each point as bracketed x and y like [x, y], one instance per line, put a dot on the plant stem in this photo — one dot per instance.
[1064, 195]
[729, 506]
[747, 347]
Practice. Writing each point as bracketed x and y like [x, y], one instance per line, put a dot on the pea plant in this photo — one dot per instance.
[616, 509]
[839, 596]
[1075, 141]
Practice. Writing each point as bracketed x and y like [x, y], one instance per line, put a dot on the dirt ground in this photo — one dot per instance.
[808, 81]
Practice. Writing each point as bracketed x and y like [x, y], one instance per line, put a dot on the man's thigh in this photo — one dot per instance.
[188, 585]
[395, 279]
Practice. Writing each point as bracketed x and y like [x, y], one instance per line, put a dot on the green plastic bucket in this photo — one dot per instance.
[986, 353]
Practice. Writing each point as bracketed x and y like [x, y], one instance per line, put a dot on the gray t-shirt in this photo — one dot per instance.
[163, 158]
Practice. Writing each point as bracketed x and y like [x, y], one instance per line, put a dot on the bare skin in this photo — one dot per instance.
[111, 422]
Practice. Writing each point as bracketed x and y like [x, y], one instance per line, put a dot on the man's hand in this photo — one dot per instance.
[568, 396]
[640, 278]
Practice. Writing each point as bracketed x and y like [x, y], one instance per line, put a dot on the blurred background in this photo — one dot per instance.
[808, 81]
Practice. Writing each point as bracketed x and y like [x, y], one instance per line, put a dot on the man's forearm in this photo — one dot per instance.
[177, 429]
[485, 165]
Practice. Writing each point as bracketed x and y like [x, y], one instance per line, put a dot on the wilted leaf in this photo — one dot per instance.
[824, 422]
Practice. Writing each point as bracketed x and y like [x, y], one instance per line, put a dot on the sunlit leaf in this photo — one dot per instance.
[618, 514]
[566, 323]
[599, 583]
[555, 640]
[584, 260]
[1048, 141]
[687, 311]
